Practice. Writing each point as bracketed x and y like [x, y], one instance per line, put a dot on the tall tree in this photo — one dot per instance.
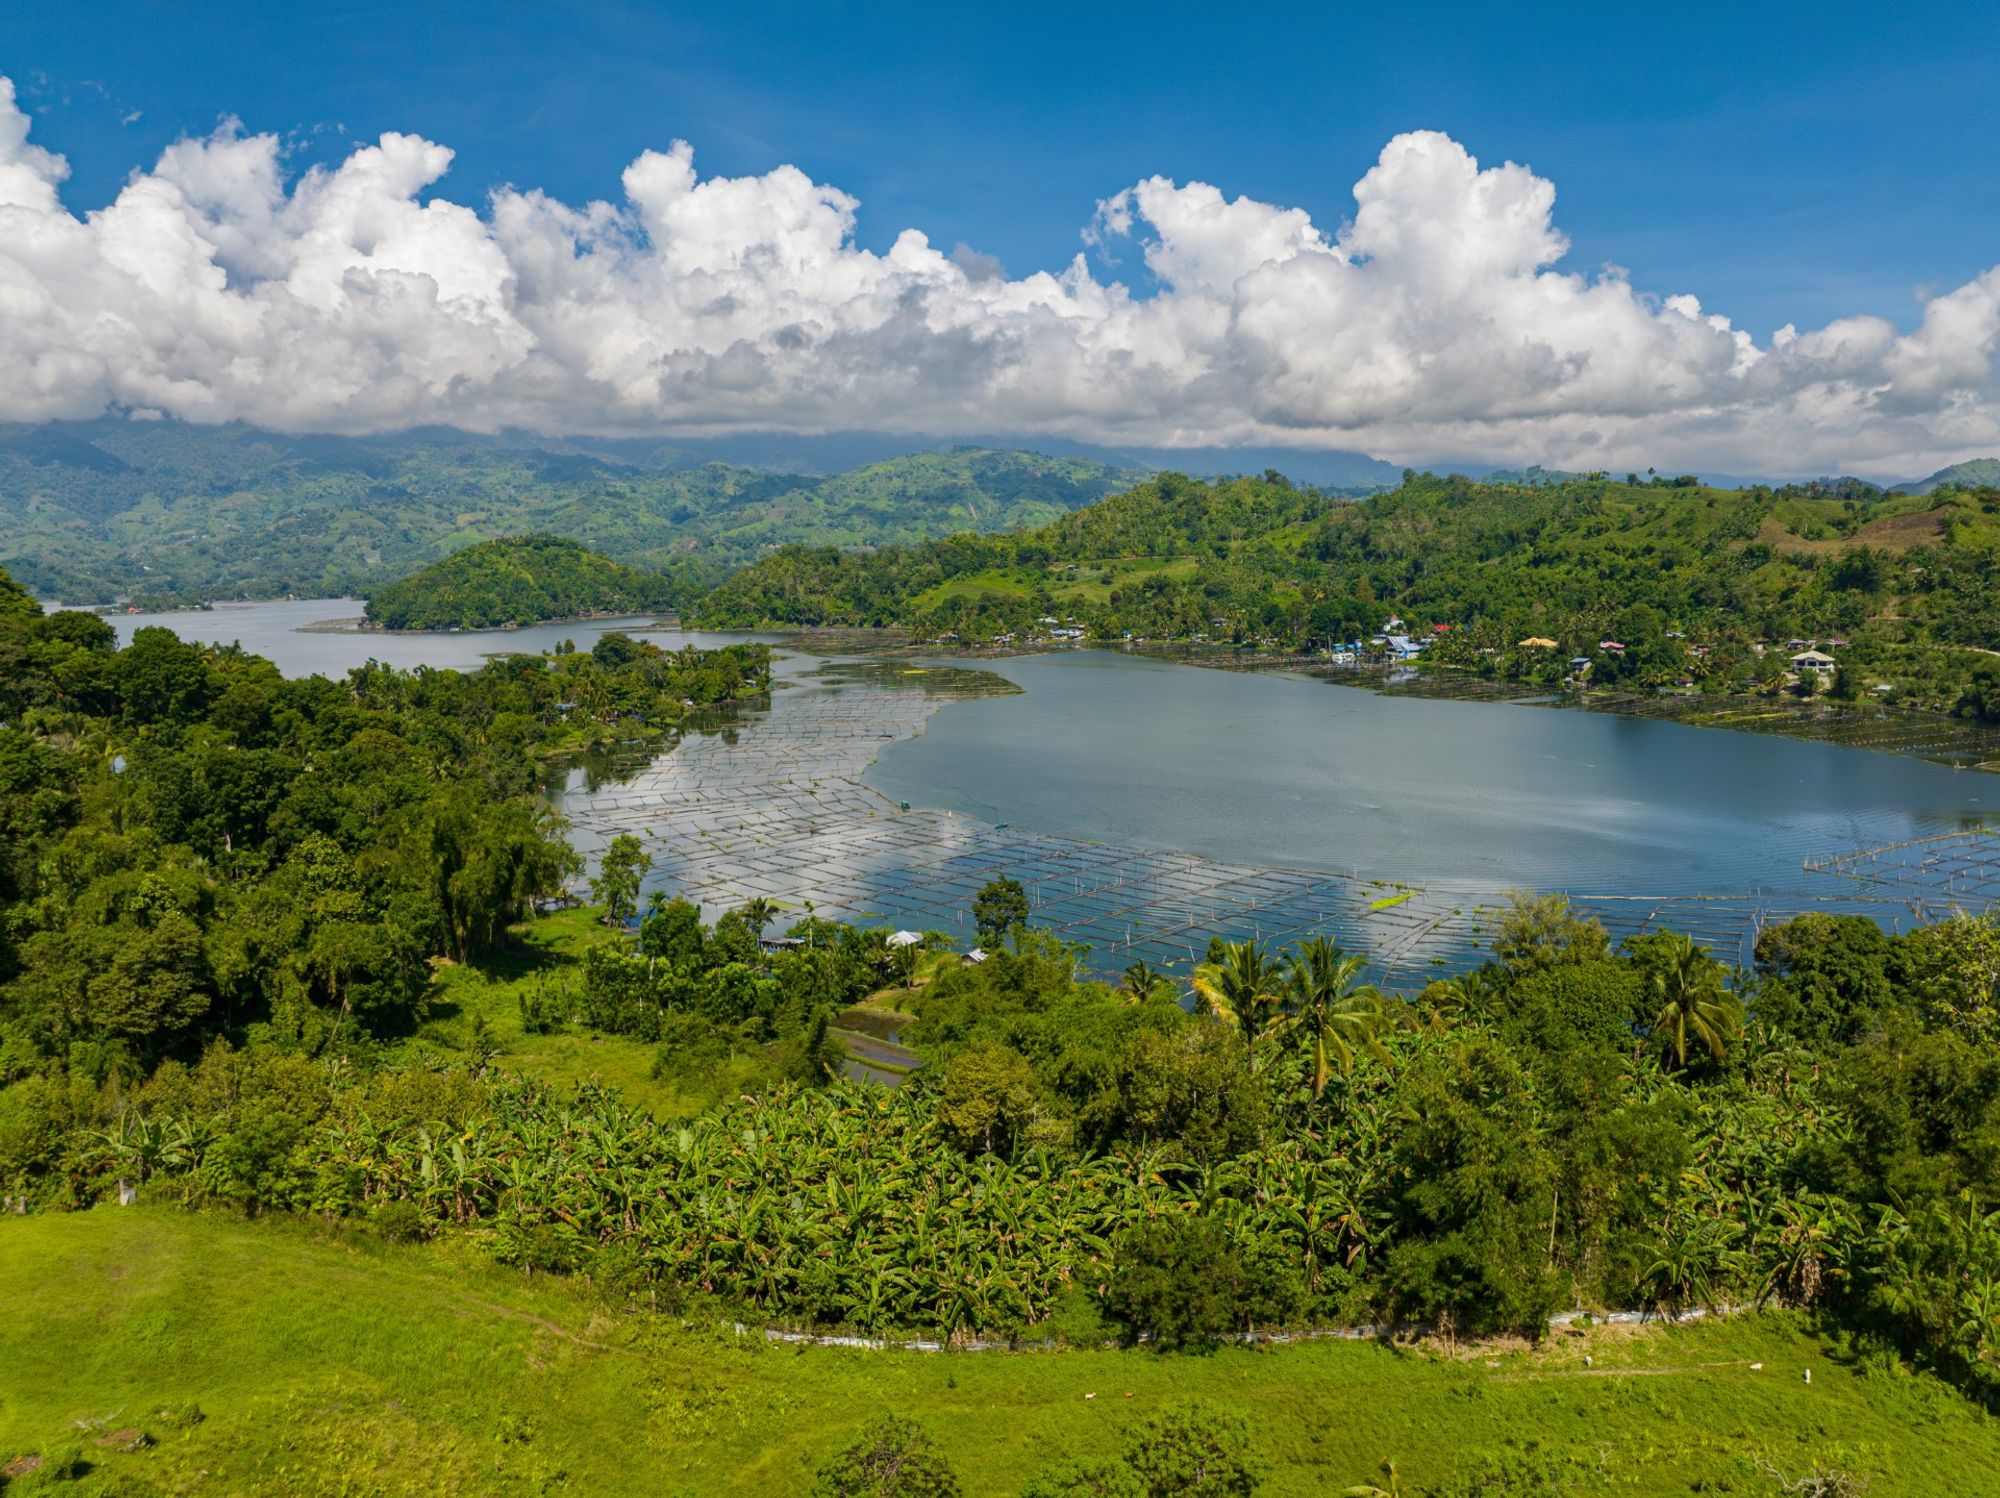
[1000, 906]
[1691, 1009]
[1243, 987]
[616, 886]
[1331, 1009]
[1144, 982]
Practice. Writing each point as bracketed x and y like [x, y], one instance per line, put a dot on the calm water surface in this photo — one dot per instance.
[277, 632]
[1265, 769]
[1280, 770]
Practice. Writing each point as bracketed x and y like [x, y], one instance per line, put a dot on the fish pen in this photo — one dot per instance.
[775, 806]
[1932, 876]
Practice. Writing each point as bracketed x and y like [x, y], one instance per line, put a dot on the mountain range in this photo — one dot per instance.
[166, 511]
[115, 509]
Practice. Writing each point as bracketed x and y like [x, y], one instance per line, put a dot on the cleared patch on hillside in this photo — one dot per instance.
[1892, 533]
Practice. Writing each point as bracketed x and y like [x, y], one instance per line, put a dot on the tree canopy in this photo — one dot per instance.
[516, 580]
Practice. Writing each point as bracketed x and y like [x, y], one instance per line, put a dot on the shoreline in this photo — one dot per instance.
[1936, 738]
[361, 625]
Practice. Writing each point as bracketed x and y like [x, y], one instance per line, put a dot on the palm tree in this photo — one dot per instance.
[1143, 982]
[1327, 1005]
[1449, 1002]
[1241, 986]
[757, 913]
[1689, 1002]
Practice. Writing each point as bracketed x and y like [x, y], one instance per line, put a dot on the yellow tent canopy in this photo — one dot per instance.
[1538, 643]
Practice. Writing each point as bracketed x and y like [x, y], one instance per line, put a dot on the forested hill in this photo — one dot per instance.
[1687, 579]
[92, 511]
[1979, 472]
[516, 580]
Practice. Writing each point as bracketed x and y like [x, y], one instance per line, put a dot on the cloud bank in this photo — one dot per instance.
[218, 286]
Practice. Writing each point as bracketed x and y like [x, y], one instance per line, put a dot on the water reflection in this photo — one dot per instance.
[304, 637]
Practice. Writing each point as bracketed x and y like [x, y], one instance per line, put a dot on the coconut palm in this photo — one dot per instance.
[1690, 1006]
[1241, 986]
[757, 913]
[1143, 982]
[1329, 1007]
[1449, 1002]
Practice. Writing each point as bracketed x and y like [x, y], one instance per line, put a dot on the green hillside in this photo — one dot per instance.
[266, 1358]
[97, 510]
[516, 580]
[1688, 579]
[1978, 473]
[269, 950]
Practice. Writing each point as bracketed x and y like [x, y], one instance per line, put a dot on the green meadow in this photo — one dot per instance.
[271, 1357]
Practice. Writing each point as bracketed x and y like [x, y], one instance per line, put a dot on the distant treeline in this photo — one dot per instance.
[1653, 584]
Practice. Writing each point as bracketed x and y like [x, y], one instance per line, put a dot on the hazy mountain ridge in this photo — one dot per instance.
[1976, 472]
[95, 510]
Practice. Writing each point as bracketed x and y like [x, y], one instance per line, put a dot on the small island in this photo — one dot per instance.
[516, 580]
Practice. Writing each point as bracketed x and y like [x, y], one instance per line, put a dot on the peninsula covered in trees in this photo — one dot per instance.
[516, 580]
[1653, 583]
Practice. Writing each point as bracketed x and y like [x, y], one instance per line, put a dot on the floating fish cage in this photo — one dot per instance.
[775, 806]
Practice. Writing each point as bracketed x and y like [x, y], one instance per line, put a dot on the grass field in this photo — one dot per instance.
[325, 1365]
[550, 946]
[1085, 582]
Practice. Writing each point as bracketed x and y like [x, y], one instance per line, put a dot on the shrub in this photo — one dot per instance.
[545, 1007]
[1179, 1279]
[1189, 1449]
[400, 1222]
[893, 1459]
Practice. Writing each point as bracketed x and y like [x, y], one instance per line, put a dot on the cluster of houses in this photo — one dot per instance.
[1395, 642]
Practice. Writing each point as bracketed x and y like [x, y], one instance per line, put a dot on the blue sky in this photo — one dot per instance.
[1820, 177]
[1785, 164]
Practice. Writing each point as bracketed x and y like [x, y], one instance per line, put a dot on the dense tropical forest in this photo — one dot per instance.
[167, 513]
[516, 580]
[255, 934]
[1634, 583]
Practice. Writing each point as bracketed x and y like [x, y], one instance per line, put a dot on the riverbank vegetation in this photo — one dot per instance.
[516, 580]
[1633, 584]
[196, 846]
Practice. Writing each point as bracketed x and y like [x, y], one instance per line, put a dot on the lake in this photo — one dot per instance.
[284, 633]
[1288, 770]
[1146, 803]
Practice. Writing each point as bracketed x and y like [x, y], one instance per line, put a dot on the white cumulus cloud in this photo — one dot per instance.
[220, 286]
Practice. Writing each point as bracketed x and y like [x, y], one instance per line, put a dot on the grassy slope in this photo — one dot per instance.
[332, 1366]
[550, 946]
